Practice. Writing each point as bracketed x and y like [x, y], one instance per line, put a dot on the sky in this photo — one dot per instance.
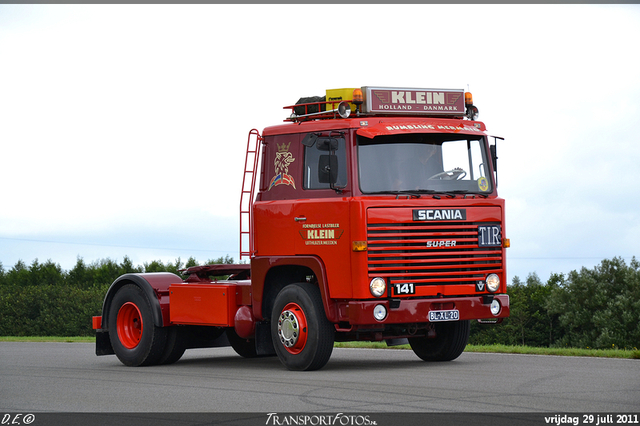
[123, 128]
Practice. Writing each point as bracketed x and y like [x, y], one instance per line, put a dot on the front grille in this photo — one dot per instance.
[400, 252]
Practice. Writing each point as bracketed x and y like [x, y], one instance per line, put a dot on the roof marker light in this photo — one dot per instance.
[357, 98]
[468, 98]
[472, 110]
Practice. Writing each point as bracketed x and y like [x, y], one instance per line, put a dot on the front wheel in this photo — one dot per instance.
[302, 336]
[450, 341]
[134, 337]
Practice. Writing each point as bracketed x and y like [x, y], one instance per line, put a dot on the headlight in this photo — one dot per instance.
[379, 312]
[377, 286]
[493, 283]
[495, 307]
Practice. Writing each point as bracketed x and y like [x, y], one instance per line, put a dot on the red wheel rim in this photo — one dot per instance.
[292, 328]
[129, 325]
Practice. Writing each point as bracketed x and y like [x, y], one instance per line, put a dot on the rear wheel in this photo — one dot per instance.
[302, 336]
[134, 337]
[450, 341]
[246, 348]
[175, 345]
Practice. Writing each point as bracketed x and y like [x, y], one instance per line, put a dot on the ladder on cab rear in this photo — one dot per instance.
[248, 193]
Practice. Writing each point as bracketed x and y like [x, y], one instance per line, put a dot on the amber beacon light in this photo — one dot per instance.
[472, 110]
[357, 99]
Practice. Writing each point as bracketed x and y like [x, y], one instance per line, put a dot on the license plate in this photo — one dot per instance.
[449, 315]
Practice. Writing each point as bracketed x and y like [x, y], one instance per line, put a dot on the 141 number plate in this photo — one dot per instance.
[404, 288]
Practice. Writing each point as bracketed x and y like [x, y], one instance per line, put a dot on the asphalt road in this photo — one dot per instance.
[68, 377]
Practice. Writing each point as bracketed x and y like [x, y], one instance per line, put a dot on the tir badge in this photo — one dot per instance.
[281, 166]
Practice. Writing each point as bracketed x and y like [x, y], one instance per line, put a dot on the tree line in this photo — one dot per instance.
[595, 308]
[42, 299]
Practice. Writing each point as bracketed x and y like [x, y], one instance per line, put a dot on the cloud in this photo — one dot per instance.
[126, 125]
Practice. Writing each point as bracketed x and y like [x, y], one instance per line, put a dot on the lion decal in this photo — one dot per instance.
[281, 165]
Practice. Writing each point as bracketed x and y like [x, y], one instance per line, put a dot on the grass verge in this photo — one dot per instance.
[75, 339]
[503, 349]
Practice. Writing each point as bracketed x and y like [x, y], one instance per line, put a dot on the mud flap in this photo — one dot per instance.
[264, 344]
[103, 344]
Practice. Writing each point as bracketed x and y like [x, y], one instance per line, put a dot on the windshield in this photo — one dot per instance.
[427, 162]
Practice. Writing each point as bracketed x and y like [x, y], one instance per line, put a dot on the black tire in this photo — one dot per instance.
[134, 337]
[246, 348]
[450, 341]
[300, 347]
[175, 345]
[201, 336]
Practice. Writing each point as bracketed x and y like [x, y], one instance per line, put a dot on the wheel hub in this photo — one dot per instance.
[129, 325]
[288, 329]
[292, 328]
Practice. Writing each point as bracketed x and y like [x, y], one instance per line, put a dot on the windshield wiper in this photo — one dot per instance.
[416, 193]
[450, 194]
[398, 193]
[466, 192]
[453, 193]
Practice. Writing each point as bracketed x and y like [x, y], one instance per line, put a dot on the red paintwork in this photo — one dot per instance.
[315, 229]
[203, 304]
[360, 312]
[283, 216]
[260, 266]
[377, 124]
[160, 282]
[244, 323]
[129, 325]
[96, 323]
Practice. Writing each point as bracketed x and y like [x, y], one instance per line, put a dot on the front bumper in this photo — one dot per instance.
[411, 311]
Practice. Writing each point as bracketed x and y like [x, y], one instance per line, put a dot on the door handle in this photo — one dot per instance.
[300, 219]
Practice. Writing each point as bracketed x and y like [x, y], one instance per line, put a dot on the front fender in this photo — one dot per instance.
[260, 266]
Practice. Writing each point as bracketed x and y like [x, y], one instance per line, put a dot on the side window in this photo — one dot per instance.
[325, 161]
[280, 175]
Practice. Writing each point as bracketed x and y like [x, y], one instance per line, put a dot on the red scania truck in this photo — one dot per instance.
[376, 217]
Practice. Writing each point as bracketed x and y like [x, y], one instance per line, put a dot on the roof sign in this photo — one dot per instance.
[390, 100]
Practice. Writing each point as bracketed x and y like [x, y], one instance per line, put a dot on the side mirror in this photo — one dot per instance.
[494, 157]
[328, 169]
[328, 144]
[309, 139]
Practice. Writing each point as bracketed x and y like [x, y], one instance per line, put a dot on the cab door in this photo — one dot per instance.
[280, 189]
[321, 215]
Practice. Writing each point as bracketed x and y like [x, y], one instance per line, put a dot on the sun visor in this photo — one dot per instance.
[396, 128]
